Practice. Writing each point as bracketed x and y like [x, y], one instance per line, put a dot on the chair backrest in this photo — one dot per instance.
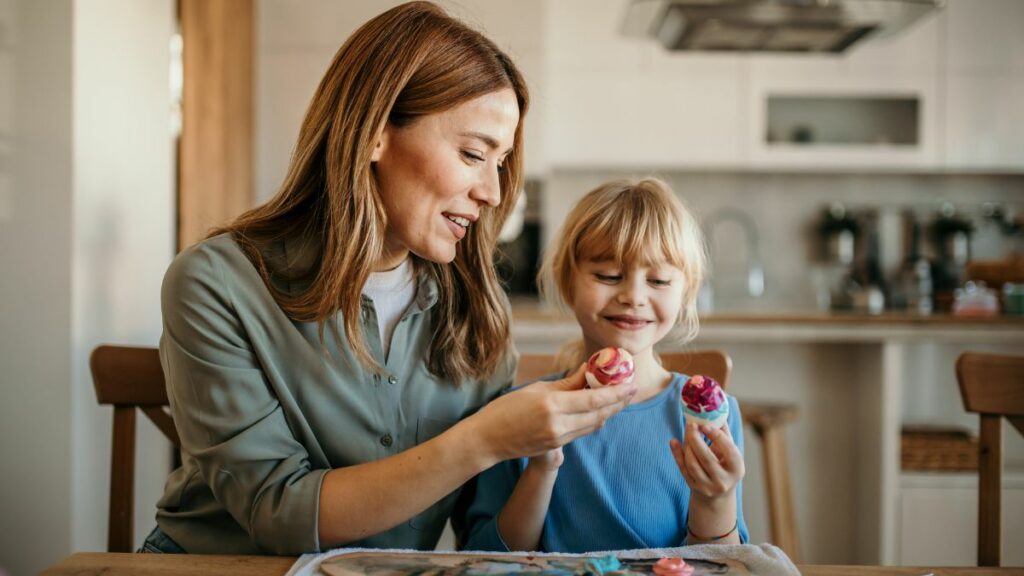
[128, 378]
[992, 386]
[713, 363]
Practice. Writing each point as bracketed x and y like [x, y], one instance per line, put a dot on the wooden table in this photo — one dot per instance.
[88, 563]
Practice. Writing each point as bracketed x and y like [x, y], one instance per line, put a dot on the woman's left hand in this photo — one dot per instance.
[712, 471]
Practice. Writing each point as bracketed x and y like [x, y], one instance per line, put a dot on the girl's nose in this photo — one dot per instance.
[633, 293]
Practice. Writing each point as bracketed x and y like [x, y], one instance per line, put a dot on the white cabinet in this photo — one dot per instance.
[623, 102]
[902, 66]
[616, 102]
[984, 85]
[921, 89]
[938, 519]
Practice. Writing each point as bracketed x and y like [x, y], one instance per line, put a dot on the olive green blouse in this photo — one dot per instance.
[264, 412]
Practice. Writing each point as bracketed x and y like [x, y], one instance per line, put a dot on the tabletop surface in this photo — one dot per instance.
[87, 563]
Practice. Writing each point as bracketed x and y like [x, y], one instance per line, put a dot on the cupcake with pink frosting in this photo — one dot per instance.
[704, 401]
[672, 567]
[609, 367]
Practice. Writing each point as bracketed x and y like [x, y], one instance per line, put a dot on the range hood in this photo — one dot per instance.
[770, 25]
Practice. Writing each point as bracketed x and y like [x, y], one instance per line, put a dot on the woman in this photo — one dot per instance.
[328, 353]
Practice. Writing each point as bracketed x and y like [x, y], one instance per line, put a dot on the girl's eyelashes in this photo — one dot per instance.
[612, 278]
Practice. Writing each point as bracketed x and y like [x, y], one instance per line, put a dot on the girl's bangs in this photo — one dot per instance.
[630, 230]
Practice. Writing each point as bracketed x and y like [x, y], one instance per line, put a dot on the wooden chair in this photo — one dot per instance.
[767, 421]
[992, 386]
[128, 378]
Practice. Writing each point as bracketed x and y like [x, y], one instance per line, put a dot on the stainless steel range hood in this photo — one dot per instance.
[770, 25]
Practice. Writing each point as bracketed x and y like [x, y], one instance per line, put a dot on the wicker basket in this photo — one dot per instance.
[934, 449]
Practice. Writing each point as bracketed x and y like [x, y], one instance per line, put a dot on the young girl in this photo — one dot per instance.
[628, 262]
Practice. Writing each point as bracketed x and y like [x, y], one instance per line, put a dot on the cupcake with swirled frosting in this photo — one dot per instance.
[704, 401]
[609, 367]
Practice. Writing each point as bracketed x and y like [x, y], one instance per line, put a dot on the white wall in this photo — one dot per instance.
[123, 234]
[85, 236]
[296, 39]
[35, 298]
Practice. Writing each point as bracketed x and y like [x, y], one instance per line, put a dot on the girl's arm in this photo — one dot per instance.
[713, 474]
[521, 520]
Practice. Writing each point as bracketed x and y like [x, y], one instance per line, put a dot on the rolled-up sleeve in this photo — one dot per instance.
[494, 486]
[228, 417]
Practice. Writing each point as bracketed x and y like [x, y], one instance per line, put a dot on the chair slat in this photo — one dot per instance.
[164, 422]
[122, 481]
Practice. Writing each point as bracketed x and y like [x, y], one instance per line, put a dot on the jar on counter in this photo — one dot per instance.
[1013, 299]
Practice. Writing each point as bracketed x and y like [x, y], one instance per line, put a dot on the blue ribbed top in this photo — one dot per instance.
[618, 488]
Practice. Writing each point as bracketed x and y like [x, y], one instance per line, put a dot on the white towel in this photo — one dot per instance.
[760, 559]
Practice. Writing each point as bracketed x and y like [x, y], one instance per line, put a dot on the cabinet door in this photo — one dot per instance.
[618, 102]
[984, 110]
[939, 518]
[644, 121]
[985, 122]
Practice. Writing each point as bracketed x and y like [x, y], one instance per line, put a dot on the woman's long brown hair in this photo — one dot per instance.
[406, 63]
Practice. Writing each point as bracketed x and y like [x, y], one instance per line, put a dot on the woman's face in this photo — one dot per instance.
[437, 174]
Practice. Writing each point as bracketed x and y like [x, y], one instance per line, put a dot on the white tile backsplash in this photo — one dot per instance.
[786, 208]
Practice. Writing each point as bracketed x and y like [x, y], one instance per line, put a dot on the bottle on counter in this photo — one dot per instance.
[914, 283]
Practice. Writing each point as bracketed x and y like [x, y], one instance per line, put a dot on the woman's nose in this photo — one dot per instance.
[488, 190]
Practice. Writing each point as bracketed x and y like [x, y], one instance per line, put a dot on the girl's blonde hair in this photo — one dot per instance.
[627, 222]
[410, 61]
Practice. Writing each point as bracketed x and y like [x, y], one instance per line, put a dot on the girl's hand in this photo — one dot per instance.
[544, 416]
[711, 472]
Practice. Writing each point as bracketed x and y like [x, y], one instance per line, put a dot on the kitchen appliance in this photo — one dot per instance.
[838, 231]
[770, 25]
[951, 235]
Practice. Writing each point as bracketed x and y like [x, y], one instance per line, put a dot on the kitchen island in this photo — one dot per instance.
[856, 381]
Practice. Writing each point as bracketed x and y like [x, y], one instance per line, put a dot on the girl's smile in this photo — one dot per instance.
[628, 322]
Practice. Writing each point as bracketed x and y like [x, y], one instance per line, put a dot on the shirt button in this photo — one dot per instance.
[392, 379]
[386, 440]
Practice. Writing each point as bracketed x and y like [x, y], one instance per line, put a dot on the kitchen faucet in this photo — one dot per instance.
[755, 269]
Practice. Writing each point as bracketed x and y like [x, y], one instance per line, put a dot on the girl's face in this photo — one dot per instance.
[438, 173]
[628, 306]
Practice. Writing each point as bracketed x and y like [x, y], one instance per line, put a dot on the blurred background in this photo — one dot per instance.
[861, 183]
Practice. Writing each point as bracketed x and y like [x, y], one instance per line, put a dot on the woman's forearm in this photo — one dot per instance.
[521, 520]
[362, 500]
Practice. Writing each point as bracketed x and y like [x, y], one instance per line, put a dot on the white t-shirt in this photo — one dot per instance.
[392, 291]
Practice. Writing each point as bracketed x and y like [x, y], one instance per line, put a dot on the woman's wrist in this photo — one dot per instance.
[473, 444]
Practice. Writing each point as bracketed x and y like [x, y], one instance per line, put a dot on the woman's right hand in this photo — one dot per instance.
[544, 416]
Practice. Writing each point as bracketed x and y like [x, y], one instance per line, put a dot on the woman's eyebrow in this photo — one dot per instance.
[489, 141]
